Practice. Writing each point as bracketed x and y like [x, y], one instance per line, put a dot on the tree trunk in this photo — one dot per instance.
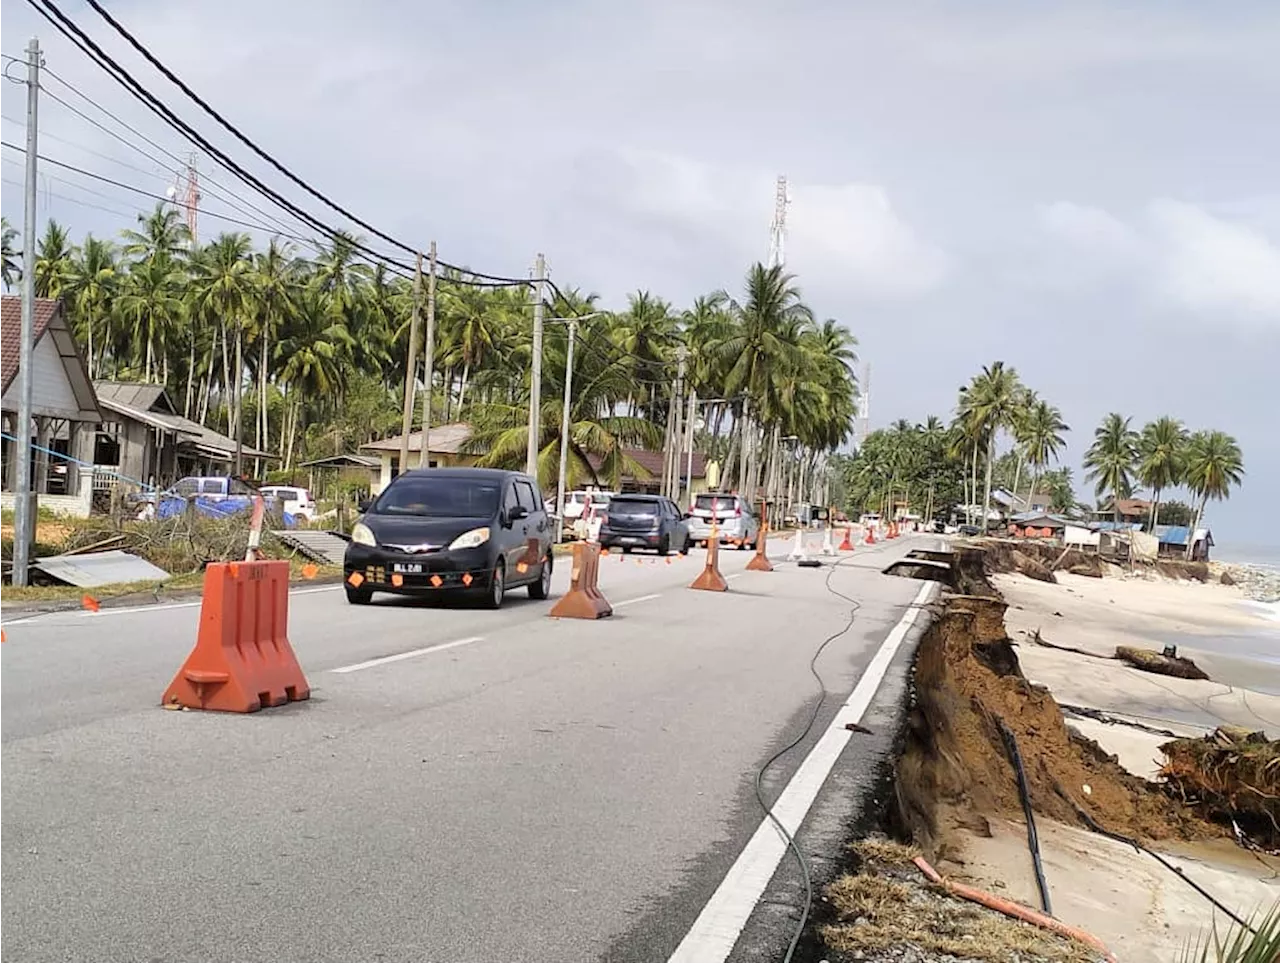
[89, 354]
[1191, 535]
[1017, 478]
[147, 368]
[226, 374]
[191, 377]
[986, 501]
[1155, 510]
[237, 398]
[462, 385]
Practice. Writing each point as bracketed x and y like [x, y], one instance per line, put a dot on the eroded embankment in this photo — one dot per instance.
[954, 769]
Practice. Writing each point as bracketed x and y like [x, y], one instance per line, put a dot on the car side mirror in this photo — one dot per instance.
[687, 515]
[516, 513]
[364, 505]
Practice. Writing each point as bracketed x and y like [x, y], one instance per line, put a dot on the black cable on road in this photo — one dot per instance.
[803, 863]
[1033, 838]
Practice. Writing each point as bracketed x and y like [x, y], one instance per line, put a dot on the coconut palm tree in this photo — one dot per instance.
[224, 289]
[91, 285]
[1042, 429]
[1112, 459]
[1161, 449]
[276, 283]
[990, 405]
[160, 234]
[1213, 465]
[151, 305]
[12, 257]
[315, 348]
[53, 261]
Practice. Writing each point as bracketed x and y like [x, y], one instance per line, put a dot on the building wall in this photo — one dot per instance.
[78, 505]
[51, 393]
[389, 461]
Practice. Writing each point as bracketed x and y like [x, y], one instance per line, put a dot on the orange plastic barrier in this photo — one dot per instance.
[760, 561]
[583, 600]
[847, 544]
[242, 660]
[710, 579]
[871, 535]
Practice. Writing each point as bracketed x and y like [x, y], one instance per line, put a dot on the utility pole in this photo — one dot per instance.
[564, 430]
[411, 365]
[688, 471]
[677, 423]
[535, 372]
[428, 361]
[23, 517]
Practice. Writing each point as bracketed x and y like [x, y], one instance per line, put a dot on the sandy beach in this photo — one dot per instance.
[1145, 913]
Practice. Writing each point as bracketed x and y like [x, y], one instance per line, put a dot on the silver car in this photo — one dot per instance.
[736, 523]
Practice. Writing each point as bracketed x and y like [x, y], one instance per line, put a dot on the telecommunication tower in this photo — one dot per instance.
[778, 230]
[185, 193]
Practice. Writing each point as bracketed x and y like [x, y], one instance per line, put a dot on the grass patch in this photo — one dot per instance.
[189, 582]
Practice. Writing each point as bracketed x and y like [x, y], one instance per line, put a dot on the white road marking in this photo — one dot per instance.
[134, 609]
[401, 656]
[642, 598]
[718, 926]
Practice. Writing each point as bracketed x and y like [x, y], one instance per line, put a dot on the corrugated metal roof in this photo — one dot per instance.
[445, 439]
[135, 394]
[100, 568]
[342, 461]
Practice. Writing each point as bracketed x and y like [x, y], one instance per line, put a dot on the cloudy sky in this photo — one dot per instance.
[1089, 191]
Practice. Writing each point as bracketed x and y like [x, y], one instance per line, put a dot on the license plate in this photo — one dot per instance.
[629, 540]
[408, 568]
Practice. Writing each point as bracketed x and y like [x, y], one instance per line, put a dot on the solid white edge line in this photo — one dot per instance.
[716, 930]
[642, 598]
[401, 656]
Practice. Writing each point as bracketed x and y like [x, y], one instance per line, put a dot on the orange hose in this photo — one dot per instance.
[1016, 910]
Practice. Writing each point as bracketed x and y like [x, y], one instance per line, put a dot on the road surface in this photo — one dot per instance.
[462, 786]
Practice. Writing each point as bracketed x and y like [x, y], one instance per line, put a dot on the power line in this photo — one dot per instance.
[13, 182]
[249, 143]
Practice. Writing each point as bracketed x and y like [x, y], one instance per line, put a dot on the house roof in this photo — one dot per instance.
[158, 414]
[1039, 520]
[1133, 506]
[651, 461]
[1177, 534]
[136, 394]
[342, 461]
[49, 322]
[445, 440]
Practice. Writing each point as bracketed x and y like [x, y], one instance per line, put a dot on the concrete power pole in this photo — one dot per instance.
[677, 423]
[428, 361]
[535, 372]
[411, 365]
[564, 429]
[23, 517]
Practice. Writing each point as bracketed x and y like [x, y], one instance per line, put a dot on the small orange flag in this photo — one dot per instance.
[310, 570]
[90, 603]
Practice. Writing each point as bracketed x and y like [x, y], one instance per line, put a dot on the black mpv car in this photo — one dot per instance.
[477, 531]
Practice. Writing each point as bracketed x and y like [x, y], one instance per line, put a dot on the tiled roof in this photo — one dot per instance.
[11, 331]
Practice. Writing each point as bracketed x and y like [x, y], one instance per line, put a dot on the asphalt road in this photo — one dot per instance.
[542, 790]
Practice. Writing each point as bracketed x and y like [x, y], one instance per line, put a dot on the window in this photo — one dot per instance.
[526, 496]
[237, 487]
[187, 487]
[509, 499]
[439, 497]
[211, 486]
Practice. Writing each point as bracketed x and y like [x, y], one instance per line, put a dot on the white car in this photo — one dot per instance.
[296, 501]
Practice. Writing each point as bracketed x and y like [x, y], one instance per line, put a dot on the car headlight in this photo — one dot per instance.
[362, 534]
[472, 539]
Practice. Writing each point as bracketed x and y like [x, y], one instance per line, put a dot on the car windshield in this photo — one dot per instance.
[600, 498]
[632, 506]
[718, 503]
[440, 497]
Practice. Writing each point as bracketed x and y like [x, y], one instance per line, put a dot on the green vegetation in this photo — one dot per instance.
[1239, 945]
[1163, 455]
[306, 355]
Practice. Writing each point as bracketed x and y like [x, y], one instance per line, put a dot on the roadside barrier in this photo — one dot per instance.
[255, 528]
[583, 600]
[760, 561]
[242, 660]
[847, 544]
[710, 579]
[828, 547]
[798, 553]
[871, 535]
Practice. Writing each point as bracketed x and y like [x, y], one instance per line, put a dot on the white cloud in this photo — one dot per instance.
[853, 233]
[1179, 255]
[1210, 265]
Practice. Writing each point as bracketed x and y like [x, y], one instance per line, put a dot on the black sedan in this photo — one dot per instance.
[474, 531]
[645, 521]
